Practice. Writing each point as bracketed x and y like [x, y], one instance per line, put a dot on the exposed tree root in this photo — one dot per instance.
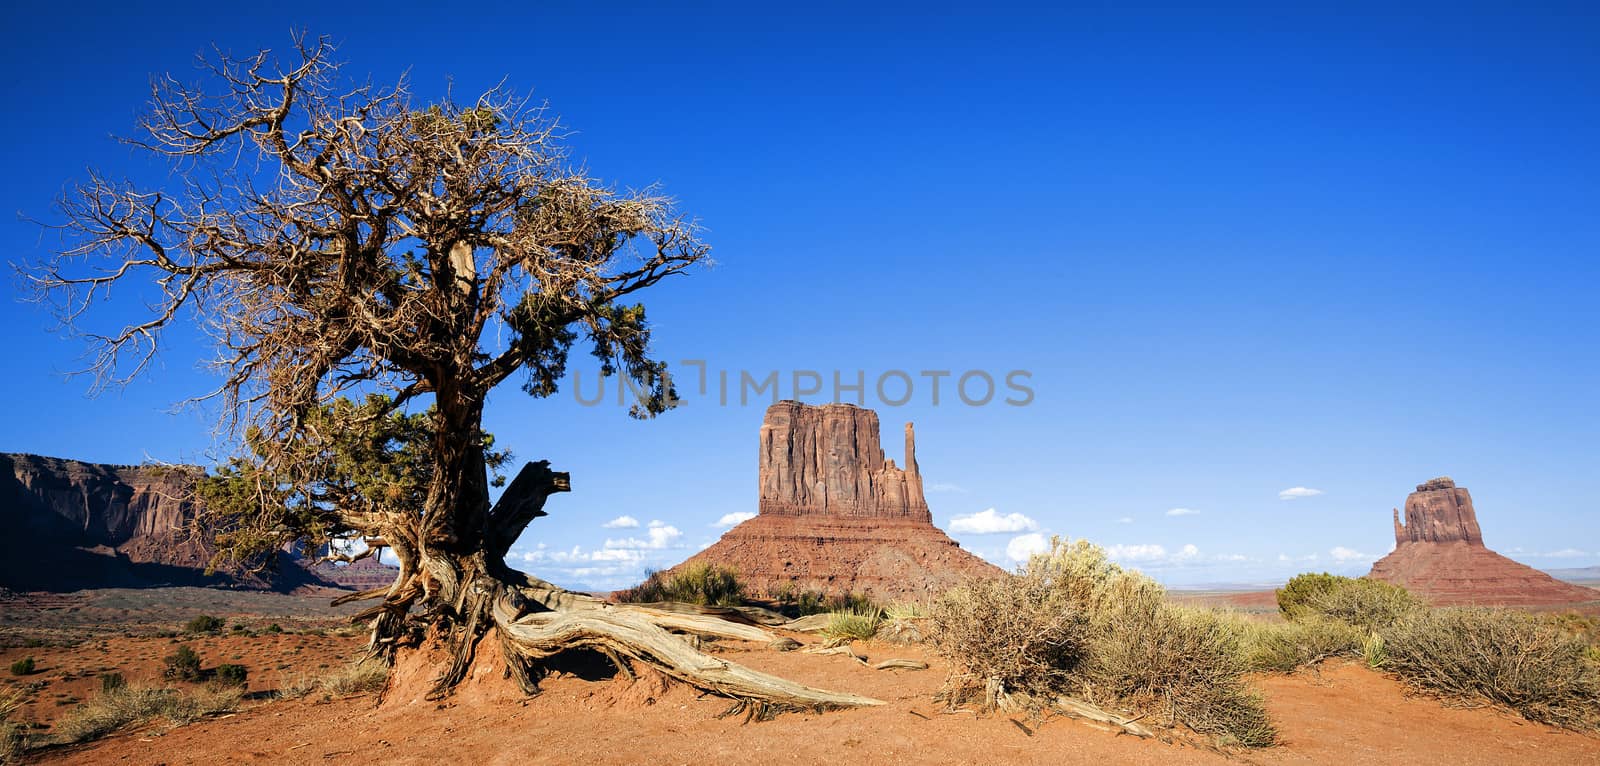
[538, 636]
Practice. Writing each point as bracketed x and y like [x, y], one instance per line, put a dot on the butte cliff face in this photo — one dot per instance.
[71, 525]
[837, 516]
[826, 461]
[1439, 554]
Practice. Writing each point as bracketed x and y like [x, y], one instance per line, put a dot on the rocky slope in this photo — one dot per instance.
[1439, 554]
[71, 525]
[836, 516]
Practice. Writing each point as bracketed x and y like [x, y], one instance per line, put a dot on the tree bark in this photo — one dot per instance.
[468, 592]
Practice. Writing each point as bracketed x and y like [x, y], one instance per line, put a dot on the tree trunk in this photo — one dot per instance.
[456, 573]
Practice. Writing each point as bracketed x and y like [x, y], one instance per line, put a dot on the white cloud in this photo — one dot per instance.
[621, 522]
[1232, 557]
[1136, 552]
[734, 519]
[1125, 520]
[945, 487]
[1345, 555]
[990, 522]
[1183, 512]
[1295, 493]
[1188, 552]
[1023, 546]
[657, 523]
[1564, 553]
[661, 536]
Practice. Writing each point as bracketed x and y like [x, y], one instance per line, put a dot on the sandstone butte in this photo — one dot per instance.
[836, 516]
[1439, 555]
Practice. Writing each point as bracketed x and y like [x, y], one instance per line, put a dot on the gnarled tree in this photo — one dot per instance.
[340, 240]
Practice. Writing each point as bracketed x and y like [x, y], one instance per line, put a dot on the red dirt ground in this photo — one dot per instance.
[1344, 714]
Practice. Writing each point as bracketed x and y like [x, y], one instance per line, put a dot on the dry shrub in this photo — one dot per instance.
[1287, 646]
[697, 582]
[1008, 635]
[1371, 605]
[1071, 622]
[137, 705]
[11, 737]
[1522, 661]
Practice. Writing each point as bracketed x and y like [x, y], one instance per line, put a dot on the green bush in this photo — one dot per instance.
[232, 675]
[274, 628]
[1293, 596]
[205, 623]
[1371, 605]
[1522, 661]
[1071, 622]
[695, 583]
[23, 667]
[183, 665]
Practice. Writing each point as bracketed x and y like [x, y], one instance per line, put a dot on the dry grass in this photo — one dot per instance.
[854, 625]
[1525, 662]
[129, 706]
[1071, 622]
[360, 677]
[11, 738]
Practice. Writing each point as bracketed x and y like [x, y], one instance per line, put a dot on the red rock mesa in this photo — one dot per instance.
[837, 516]
[1440, 556]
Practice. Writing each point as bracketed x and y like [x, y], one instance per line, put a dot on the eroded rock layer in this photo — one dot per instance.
[71, 525]
[1439, 554]
[836, 516]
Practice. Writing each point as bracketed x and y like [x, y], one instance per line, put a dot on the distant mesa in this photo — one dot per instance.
[71, 525]
[1439, 555]
[835, 515]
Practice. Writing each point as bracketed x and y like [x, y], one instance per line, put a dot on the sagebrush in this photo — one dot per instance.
[1070, 622]
[1523, 661]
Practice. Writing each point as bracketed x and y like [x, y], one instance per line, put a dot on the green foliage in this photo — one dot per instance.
[1371, 605]
[23, 666]
[232, 675]
[694, 583]
[204, 623]
[274, 628]
[1294, 595]
[182, 665]
[1523, 661]
[857, 626]
[352, 458]
[1071, 622]
[799, 603]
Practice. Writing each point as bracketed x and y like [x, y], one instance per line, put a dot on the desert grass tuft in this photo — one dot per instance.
[12, 740]
[854, 625]
[697, 582]
[132, 705]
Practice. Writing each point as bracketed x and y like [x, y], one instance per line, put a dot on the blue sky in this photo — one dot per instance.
[1240, 249]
